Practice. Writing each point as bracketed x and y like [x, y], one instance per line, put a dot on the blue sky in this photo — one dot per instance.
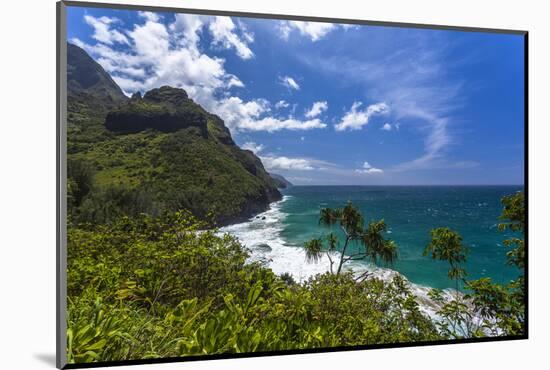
[332, 104]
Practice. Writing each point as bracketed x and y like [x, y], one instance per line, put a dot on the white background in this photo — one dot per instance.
[27, 182]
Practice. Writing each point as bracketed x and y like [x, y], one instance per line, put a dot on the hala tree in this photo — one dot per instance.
[446, 245]
[502, 307]
[374, 246]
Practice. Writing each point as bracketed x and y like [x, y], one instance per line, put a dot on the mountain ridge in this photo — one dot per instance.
[160, 152]
[280, 181]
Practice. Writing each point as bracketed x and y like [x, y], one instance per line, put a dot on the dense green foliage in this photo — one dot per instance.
[156, 286]
[350, 222]
[488, 308]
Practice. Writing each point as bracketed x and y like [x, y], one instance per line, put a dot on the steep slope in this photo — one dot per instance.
[280, 181]
[86, 77]
[155, 153]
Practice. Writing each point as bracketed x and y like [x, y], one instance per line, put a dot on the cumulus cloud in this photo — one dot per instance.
[285, 163]
[316, 109]
[368, 169]
[356, 118]
[271, 124]
[223, 32]
[150, 16]
[253, 147]
[103, 32]
[386, 127]
[249, 116]
[313, 30]
[289, 82]
[154, 54]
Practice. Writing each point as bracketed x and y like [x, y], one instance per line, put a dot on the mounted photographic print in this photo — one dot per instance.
[235, 184]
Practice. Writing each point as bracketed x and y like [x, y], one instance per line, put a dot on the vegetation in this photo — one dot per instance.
[488, 308]
[350, 221]
[148, 287]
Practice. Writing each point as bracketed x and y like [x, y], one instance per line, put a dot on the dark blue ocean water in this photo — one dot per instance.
[411, 212]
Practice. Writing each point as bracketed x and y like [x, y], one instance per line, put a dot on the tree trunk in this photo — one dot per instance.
[342, 256]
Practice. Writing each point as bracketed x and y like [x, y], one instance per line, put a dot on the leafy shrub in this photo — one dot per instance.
[146, 287]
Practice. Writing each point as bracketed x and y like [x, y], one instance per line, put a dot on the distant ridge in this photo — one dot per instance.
[280, 181]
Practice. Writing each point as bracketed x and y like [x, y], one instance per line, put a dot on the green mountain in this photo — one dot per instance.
[280, 181]
[160, 152]
[86, 78]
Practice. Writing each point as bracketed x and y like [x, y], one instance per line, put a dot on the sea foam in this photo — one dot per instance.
[284, 257]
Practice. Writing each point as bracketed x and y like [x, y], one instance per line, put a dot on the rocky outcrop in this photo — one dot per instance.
[165, 109]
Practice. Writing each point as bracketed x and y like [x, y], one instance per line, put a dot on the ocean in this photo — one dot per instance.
[410, 213]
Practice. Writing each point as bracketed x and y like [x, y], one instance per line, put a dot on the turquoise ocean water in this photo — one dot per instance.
[410, 213]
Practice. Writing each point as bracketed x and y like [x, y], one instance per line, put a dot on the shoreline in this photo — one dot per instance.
[260, 235]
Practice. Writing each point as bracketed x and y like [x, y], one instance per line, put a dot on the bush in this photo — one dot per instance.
[146, 287]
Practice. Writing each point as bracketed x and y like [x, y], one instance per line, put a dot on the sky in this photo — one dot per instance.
[332, 104]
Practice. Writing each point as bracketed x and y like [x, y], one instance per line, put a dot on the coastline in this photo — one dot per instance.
[261, 235]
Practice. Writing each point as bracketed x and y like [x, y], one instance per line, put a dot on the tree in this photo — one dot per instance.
[446, 245]
[502, 307]
[350, 221]
[79, 181]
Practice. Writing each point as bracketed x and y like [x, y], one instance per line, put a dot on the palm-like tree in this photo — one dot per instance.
[379, 249]
[314, 249]
[351, 222]
[446, 245]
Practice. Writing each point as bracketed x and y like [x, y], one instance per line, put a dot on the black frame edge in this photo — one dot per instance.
[526, 174]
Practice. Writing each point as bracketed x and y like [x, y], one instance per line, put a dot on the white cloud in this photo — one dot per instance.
[103, 32]
[150, 16]
[355, 118]
[413, 78]
[386, 127]
[187, 28]
[289, 82]
[317, 108]
[285, 163]
[368, 169]
[170, 55]
[281, 104]
[159, 54]
[247, 116]
[313, 30]
[271, 124]
[223, 33]
[253, 147]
